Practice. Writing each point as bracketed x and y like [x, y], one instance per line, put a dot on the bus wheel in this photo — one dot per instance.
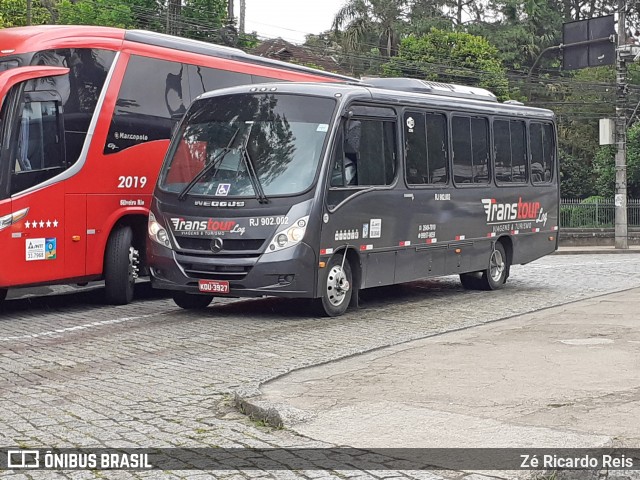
[192, 301]
[471, 281]
[338, 287]
[3, 294]
[120, 266]
[495, 275]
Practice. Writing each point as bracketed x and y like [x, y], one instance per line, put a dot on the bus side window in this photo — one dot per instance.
[148, 106]
[426, 148]
[40, 149]
[205, 79]
[542, 152]
[470, 149]
[344, 172]
[365, 155]
[510, 151]
[376, 153]
[337, 163]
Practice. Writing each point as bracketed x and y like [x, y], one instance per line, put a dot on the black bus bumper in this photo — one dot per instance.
[287, 273]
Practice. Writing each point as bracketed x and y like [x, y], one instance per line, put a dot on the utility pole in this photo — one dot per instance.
[243, 11]
[29, 12]
[230, 14]
[621, 241]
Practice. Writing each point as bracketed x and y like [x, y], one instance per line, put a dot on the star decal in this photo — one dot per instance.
[41, 224]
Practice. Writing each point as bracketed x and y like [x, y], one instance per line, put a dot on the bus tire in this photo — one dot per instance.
[471, 281]
[337, 287]
[3, 294]
[192, 301]
[496, 273]
[120, 266]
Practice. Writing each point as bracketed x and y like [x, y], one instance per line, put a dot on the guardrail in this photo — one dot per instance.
[595, 213]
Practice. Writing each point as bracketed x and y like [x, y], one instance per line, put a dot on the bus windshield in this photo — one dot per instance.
[248, 145]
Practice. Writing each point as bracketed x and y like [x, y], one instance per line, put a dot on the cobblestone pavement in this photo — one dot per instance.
[74, 373]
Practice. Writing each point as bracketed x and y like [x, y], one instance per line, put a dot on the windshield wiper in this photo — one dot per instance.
[251, 170]
[207, 168]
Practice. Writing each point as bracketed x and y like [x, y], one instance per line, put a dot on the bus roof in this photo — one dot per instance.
[364, 92]
[44, 37]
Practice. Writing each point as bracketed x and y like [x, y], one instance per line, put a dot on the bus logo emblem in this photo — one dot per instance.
[411, 123]
[223, 190]
[216, 244]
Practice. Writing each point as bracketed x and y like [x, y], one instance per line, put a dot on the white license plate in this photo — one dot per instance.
[213, 286]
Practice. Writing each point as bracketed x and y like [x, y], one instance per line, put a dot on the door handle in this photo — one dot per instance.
[408, 195]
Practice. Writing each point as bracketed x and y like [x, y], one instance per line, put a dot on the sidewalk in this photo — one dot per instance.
[595, 250]
[561, 377]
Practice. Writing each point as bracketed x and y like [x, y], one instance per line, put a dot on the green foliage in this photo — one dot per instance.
[592, 212]
[110, 13]
[369, 24]
[147, 14]
[633, 161]
[203, 19]
[13, 13]
[576, 181]
[454, 57]
[605, 171]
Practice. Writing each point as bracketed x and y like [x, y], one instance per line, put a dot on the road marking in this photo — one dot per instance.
[86, 326]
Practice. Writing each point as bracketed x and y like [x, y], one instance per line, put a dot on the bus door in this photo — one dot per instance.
[365, 211]
[31, 153]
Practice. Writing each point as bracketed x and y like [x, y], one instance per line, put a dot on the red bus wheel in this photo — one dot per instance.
[120, 266]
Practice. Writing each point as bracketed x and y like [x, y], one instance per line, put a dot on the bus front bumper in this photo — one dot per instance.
[287, 273]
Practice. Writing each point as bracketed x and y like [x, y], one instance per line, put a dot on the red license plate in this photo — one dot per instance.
[213, 286]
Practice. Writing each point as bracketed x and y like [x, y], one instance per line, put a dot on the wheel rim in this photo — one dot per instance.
[337, 286]
[134, 261]
[496, 266]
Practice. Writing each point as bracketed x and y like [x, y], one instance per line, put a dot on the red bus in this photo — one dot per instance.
[85, 121]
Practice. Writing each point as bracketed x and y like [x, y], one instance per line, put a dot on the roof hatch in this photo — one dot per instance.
[415, 85]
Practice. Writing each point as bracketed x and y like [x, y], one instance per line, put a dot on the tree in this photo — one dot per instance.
[110, 13]
[148, 14]
[521, 30]
[363, 19]
[13, 13]
[453, 57]
[425, 15]
[204, 19]
[604, 166]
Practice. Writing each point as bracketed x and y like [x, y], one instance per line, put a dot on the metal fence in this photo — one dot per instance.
[595, 213]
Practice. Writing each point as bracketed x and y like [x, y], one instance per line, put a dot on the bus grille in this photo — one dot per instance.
[230, 244]
[215, 272]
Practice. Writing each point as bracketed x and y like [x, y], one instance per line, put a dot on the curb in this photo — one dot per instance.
[252, 409]
[608, 251]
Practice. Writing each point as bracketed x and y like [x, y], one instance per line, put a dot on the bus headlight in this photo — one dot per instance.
[157, 232]
[289, 237]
